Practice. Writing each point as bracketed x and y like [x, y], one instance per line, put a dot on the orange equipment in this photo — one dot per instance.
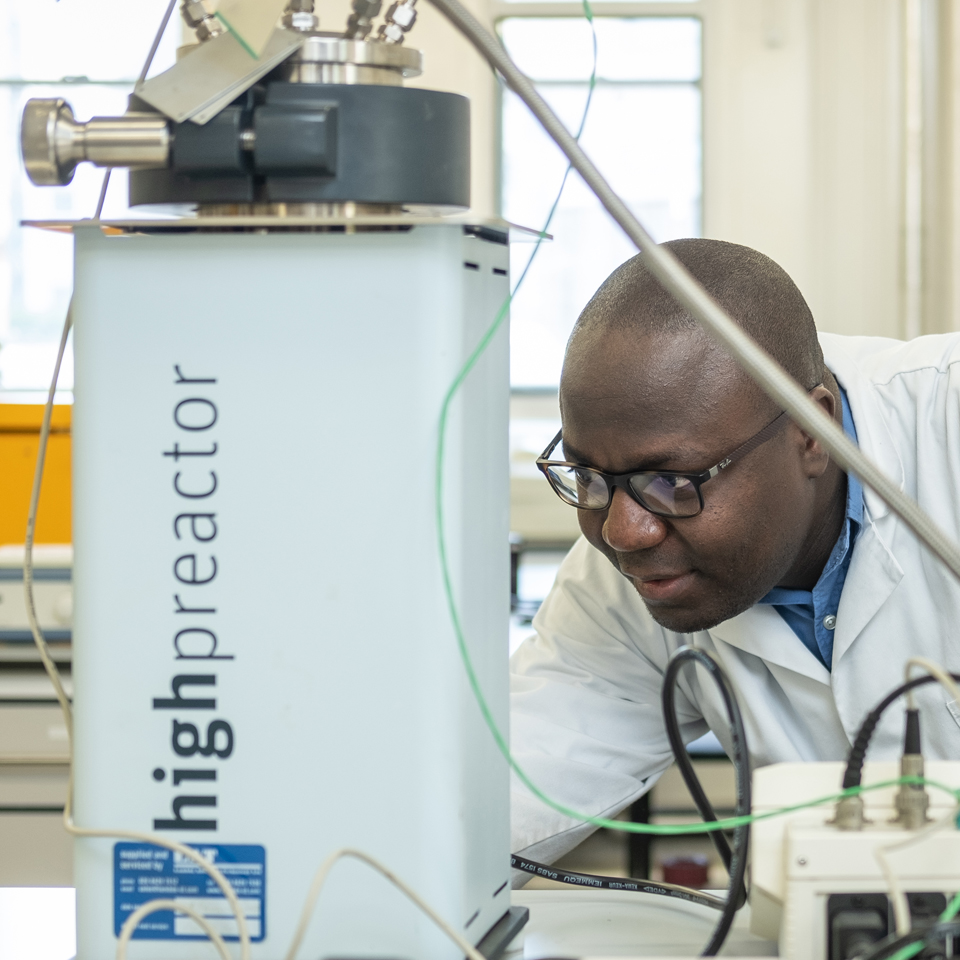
[19, 440]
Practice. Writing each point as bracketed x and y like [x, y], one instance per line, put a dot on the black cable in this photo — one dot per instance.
[889, 945]
[854, 773]
[737, 864]
[592, 880]
[690, 778]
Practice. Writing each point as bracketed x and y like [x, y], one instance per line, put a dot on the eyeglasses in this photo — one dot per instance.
[662, 492]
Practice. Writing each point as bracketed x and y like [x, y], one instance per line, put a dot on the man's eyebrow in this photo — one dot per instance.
[649, 463]
[571, 455]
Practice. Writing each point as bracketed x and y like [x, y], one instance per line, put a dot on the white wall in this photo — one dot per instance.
[831, 144]
[807, 156]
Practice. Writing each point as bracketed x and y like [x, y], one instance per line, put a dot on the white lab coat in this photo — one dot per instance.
[586, 721]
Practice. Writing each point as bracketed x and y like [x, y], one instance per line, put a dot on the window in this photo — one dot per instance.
[89, 52]
[644, 133]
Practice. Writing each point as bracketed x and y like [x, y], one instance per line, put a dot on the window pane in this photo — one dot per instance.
[646, 139]
[36, 266]
[47, 39]
[651, 48]
[50, 40]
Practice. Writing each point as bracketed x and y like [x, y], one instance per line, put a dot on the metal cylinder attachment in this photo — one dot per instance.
[333, 59]
[53, 142]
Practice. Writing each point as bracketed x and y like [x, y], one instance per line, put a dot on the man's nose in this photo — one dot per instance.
[629, 527]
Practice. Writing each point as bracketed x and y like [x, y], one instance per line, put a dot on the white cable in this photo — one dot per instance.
[321, 875]
[936, 671]
[901, 907]
[145, 909]
[51, 668]
[54, 674]
[661, 262]
[38, 637]
[218, 878]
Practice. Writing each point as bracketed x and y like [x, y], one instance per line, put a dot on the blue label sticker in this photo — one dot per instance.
[144, 872]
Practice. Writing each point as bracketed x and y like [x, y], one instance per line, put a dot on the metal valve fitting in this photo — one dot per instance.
[299, 15]
[204, 24]
[360, 21]
[400, 17]
[53, 142]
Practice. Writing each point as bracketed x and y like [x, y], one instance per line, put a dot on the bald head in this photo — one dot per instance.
[756, 292]
[646, 392]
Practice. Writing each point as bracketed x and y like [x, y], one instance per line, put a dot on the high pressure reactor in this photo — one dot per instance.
[264, 662]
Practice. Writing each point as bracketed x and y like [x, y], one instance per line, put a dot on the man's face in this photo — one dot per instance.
[674, 401]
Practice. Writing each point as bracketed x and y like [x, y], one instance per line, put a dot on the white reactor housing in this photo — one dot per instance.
[264, 664]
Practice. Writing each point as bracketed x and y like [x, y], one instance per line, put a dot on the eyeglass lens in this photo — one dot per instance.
[659, 493]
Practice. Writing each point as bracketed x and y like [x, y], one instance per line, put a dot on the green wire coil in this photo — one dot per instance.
[501, 742]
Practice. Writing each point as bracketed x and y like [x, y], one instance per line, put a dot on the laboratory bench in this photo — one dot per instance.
[38, 925]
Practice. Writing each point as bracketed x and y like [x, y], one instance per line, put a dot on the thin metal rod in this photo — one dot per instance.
[156, 42]
[770, 376]
[151, 53]
[103, 192]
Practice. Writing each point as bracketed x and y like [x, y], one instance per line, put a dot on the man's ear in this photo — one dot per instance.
[815, 457]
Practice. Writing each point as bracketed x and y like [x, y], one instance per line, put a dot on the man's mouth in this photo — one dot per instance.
[663, 588]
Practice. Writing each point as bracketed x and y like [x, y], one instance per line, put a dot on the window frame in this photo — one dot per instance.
[501, 10]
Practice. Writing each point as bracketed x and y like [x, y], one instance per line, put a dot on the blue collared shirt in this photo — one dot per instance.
[812, 614]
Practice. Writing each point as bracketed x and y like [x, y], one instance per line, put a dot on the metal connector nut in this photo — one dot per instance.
[912, 800]
[849, 813]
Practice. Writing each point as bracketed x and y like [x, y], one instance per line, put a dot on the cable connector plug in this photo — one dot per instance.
[848, 814]
[912, 800]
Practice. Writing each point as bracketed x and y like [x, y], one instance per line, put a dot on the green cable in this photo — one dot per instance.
[451, 393]
[952, 908]
[912, 949]
[499, 739]
[236, 33]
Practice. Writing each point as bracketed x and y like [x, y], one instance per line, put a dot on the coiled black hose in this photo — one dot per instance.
[735, 859]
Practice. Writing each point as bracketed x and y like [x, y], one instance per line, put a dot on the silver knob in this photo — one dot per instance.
[53, 142]
[38, 141]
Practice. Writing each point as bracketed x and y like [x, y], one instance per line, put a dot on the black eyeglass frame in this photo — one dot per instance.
[622, 480]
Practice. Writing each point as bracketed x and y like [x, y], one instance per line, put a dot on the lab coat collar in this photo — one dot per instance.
[762, 632]
[873, 432]
[873, 576]
[874, 572]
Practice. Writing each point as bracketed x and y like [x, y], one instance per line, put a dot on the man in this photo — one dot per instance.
[709, 519]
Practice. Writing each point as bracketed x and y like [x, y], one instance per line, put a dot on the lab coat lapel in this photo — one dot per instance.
[873, 432]
[762, 632]
[874, 572]
[873, 575]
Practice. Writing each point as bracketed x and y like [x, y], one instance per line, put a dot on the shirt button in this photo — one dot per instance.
[830, 621]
